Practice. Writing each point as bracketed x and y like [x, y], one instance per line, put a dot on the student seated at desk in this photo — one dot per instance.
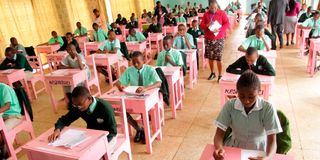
[99, 19]
[17, 46]
[259, 41]
[80, 31]
[195, 31]
[98, 34]
[146, 78]
[312, 23]
[55, 39]
[188, 14]
[201, 10]
[116, 29]
[257, 22]
[144, 14]
[16, 61]
[149, 17]
[252, 61]
[73, 60]
[154, 27]
[97, 113]
[135, 36]
[183, 40]
[170, 20]
[11, 113]
[169, 56]
[133, 15]
[180, 18]
[70, 40]
[132, 24]
[304, 16]
[254, 121]
[121, 20]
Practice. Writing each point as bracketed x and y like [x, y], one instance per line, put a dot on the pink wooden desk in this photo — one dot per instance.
[170, 30]
[108, 60]
[142, 47]
[201, 51]
[270, 55]
[173, 76]
[64, 77]
[157, 38]
[55, 58]
[121, 38]
[81, 40]
[93, 148]
[312, 58]
[9, 76]
[228, 86]
[47, 48]
[91, 46]
[303, 42]
[192, 64]
[234, 154]
[142, 105]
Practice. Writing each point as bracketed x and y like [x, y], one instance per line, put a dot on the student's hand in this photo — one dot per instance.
[121, 88]
[168, 58]
[219, 154]
[54, 135]
[140, 89]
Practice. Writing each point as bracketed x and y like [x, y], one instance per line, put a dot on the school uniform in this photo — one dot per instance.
[267, 33]
[146, 76]
[117, 31]
[249, 131]
[11, 117]
[169, 22]
[100, 35]
[254, 41]
[69, 62]
[80, 31]
[181, 19]
[99, 116]
[121, 21]
[55, 40]
[133, 24]
[139, 37]
[20, 48]
[304, 16]
[20, 62]
[196, 33]
[175, 57]
[201, 10]
[110, 45]
[261, 66]
[155, 28]
[315, 25]
[180, 42]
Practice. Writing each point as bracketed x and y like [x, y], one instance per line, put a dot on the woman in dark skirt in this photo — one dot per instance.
[214, 40]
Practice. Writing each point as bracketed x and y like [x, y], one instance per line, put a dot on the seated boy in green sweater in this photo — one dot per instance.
[252, 61]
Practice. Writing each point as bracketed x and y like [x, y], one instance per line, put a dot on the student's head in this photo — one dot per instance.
[309, 10]
[13, 41]
[71, 49]
[114, 25]
[170, 15]
[132, 18]
[195, 4]
[132, 31]
[154, 20]
[188, 3]
[95, 26]
[167, 44]
[180, 14]
[158, 4]
[175, 6]
[194, 24]
[213, 6]
[168, 5]
[69, 36]
[251, 55]
[259, 4]
[54, 34]
[133, 15]
[9, 52]
[304, 6]
[96, 12]
[78, 25]
[316, 15]
[119, 16]
[137, 59]
[248, 87]
[149, 14]
[174, 10]
[257, 18]
[81, 98]
[181, 28]
[111, 35]
[144, 11]
[200, 5]
[259, 30]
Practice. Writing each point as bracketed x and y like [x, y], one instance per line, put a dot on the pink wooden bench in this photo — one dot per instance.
[228, 87]
[232, 153]
[64, 77]
[145, 106]
[93, 148]
[312, 58]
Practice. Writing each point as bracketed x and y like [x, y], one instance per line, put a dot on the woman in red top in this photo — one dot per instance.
[291, 20]
[214, 40]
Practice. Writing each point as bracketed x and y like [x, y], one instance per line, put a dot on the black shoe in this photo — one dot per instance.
[212, 76]
[143, 138]
[219, 77]
[138, 136]
[287, 44]
[292, 43]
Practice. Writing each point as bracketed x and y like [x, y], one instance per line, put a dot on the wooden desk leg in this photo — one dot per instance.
[179, 94]
[156, 121]
[313, 61]
[25, 83]
[172, 99]
[191, 75]
[147, 131]
[53, 101]
[109, 68]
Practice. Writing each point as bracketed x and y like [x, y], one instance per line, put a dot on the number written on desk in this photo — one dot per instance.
[59, 82]
[234, 91]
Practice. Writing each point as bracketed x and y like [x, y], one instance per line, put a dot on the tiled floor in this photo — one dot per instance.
[185, 137]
